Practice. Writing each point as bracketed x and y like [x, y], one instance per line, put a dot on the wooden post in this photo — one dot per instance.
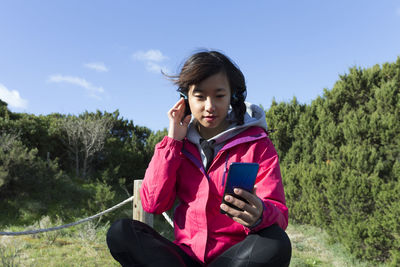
[138, 213]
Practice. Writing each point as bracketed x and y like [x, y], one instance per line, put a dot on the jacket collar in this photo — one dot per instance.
[249, 135]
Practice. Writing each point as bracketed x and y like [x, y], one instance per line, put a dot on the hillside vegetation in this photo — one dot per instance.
[340, 160]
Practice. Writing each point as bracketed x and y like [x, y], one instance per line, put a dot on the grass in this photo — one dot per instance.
[312, 246]
[84, 245]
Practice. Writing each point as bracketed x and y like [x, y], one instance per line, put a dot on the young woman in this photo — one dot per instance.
[191, 165]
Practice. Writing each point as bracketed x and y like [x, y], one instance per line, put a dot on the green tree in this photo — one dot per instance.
[3, 109]
[340, 160]
[124, 157]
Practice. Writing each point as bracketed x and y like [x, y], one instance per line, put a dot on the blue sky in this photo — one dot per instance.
[72, 56]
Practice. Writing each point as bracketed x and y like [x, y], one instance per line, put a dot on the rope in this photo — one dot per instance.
[168, 219]
[31, 232]
[70, 224]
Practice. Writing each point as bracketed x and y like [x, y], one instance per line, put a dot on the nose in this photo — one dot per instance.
[210, 105]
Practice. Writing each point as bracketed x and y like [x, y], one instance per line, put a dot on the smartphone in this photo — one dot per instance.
[187, 108]
[240, 175]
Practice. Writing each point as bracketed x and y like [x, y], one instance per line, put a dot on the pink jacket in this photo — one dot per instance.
[176, 170]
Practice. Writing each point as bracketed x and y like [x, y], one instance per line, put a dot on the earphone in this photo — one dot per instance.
[184, 96]
[238, 96]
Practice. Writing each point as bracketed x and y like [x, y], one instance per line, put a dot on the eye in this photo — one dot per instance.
[198, 96]
[220, 96]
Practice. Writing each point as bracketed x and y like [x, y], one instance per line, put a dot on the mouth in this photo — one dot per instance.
[210, 118]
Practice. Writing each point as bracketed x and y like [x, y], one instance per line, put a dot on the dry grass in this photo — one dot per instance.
[82, 246]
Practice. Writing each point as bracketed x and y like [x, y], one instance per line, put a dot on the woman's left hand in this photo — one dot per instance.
[252, 211]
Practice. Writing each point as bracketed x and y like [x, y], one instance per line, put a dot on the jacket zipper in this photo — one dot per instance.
[225, 168]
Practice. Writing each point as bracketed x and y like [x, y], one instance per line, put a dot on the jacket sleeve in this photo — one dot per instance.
[270, 190]
[158, 189]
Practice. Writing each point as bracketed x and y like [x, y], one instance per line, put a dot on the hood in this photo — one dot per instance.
[254, 116]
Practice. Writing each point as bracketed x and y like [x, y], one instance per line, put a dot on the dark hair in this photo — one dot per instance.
[204, 64]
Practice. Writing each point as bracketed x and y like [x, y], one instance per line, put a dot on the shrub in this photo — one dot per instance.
[340, 159]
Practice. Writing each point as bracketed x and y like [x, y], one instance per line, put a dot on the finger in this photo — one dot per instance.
[241, 217]
[243, 221]
[235, 201]
[172, 113]
[241, 209]
[187, 119]
[176, 112]
[250, 197]
[178, 103]
[255, 208]
[231, 212]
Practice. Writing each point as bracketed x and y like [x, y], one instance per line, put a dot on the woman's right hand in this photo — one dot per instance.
[178, 128]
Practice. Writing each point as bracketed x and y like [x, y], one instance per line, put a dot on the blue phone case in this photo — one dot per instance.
[240, 175]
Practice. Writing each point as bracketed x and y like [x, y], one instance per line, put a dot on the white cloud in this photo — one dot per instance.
[156, 68]
[152, 59]
[12, 98]
[150, 55]
[97, 66]
[93, 90]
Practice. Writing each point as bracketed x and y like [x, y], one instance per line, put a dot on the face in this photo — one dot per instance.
[209, 102]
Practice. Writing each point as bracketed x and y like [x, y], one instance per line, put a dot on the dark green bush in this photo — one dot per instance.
[340, 159]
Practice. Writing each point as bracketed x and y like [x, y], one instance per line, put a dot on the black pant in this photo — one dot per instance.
[133, 243]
